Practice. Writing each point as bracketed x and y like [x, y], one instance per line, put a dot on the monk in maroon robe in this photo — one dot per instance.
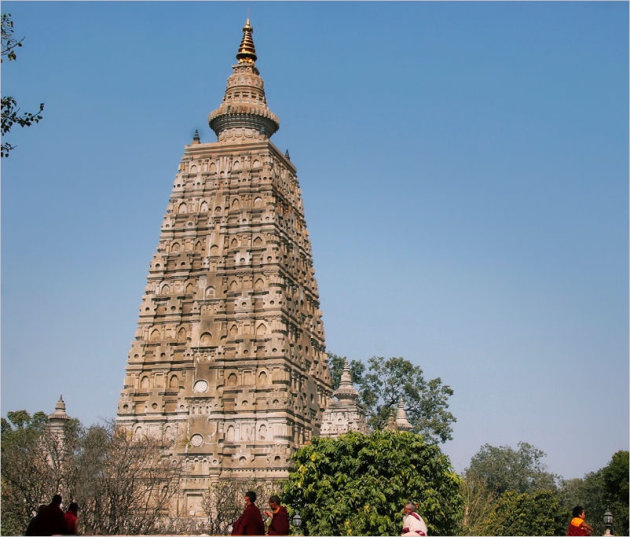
[279, 517]
[250, 522]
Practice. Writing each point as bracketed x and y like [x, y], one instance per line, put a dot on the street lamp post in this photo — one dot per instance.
[608, 520]
[297, 521]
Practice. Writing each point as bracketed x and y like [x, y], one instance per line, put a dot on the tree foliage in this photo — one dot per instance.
[11, 113]
[530, 513]
[385, 381]
[500, 479]
[123, 485]
[32, 467]
[9, 43]
[615, 477]
[478, 504]
[601, 491]
[509, 492]
[506, 469]
[357, 484]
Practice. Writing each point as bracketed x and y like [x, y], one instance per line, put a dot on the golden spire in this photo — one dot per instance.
[244, 113]
[247, 51]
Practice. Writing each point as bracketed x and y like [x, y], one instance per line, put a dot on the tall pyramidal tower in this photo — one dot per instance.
[229, 359]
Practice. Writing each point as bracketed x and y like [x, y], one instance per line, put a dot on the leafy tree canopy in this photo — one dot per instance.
[21, 420]
[358, 484]
[615, 477]
[10, 110]
[9, 43]
[506, 469]
[385, 381]
[601, 491]
[530, 513]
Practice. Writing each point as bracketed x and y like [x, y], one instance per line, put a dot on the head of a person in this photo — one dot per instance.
[578, 511]
[56, 500]
[74, 507]
[409, 508]
[274, 502]
[250, 497]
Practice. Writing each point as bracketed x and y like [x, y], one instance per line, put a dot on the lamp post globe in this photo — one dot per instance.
[297, 520]
[608, 520]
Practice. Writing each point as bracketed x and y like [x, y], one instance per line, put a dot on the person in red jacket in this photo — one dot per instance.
[72, 520]
[250, 522]
[279, 518]
[578, 526]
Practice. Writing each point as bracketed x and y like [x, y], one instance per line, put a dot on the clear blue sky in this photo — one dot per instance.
[464, 168]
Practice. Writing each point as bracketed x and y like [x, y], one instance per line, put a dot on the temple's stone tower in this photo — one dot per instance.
[343, 414]
[228, 359]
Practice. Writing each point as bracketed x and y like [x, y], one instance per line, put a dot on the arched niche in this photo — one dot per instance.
[205, 339]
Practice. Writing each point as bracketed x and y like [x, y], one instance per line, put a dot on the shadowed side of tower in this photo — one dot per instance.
[228, 360]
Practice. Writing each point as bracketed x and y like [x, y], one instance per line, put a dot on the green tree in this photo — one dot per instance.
[386, 381]
[10, 110]
[357, 484]
[500, 479]
[506, 469]
[538, 512]
[601, 491]
[478, 504]
[615, 478]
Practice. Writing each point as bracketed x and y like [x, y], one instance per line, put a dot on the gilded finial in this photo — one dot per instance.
[247, 51]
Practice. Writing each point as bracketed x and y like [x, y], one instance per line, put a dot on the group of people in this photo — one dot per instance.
[51, 520]
[251, 521]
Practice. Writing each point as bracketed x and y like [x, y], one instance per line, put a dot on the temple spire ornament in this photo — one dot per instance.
[60, 410]
[402, 423]
[397, 420]
[244, 114]
[58, 420]
[247, 50]
[344, 413]
[346, 389]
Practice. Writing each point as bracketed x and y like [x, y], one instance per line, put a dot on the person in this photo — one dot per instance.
[72, 520]
[578, 525]
[250, 522]
[33, 527]
[413, 524]
[279, 517]
[50, 519]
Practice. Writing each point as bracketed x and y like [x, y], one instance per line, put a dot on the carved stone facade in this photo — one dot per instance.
[229, 358]
[343, 414]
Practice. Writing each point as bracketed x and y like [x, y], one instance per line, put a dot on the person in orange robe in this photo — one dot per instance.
[578, 526]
